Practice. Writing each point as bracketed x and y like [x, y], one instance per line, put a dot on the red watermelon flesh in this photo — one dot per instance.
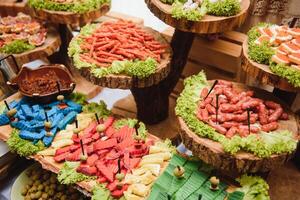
[90, 129]
[89, 149]
[91, 160]
[134, 162]
[105, 144]
[119, 193]
[61, 157]
[110, 131]
[126, 159]
[112, 186]
[108, 122]
[105, 171]
[62, 150]
[102, 179]
[112, 155]
[96, 137]
[123, 133]
[87, 170]
[102, 152]
[74, 147]
[75, 156]
[125, 143]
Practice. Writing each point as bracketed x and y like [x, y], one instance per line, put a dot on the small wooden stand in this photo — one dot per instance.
[11, 7]
[153, 102]
[213, 153]
[50, 46]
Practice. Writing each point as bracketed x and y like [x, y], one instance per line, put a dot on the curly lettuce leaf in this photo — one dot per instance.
[254, 188]
[142, 69]
[167, 143]
[261, 145]
[100, 192]
[292, 75]
[125, 122]
[76, 7]
[224, 7]
[16, 46]
[23, 147]
[68, 174]
[78, 98]
[99, 108]
[178, 12]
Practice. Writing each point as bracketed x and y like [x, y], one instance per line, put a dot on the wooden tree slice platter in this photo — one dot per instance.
[127, 82]
[213, 153]
[263, 74]
[11, 7]
[209, 23]
[63, 17]
[50, 46]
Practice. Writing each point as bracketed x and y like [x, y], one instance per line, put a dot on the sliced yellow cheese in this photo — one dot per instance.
[130, 196]
[165, 155]
[151, 160]
[64, 134]
[157, 149]
[62, 143]
[147, 178]
[139, 171]
[140, 189]
[47, 152]
[131, 179]
[154, 168]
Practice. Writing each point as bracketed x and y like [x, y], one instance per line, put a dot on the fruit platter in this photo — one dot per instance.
[108, 157]
[120, 54]
[235, 128]
[272, 53]
[25, 37]
[201, 16]
[75, 12]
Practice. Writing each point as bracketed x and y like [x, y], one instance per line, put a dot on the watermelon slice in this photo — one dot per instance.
[134, 162]
[96, 137]
[108, 122]
[61, 157]
[112, 186]
[102, 179]
[112, 155]
[119, 193]
[110, 131]
[126, 143]
[105, 171]
[87, 170]
[91, 160]
[75, 156]
[126, 159]
[105, 144]
[62, 150]
[91, 129]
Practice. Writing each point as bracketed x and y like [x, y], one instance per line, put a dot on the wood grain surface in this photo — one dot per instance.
[209, 23]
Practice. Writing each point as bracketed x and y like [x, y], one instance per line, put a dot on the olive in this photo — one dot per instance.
[60, 188]
[100, 128]
[24, 191]
[120, 176]
[40, 187]
[52, 179]
[63, 197]
[76, 130]
[47, 124]
[83, 157]
[44, 195]
[60, 97]
[38, 194]
[179, 171]
[11, 112]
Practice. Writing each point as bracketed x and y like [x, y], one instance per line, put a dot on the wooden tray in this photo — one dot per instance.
[209, 24]
[263, 74]
[127, 82]
[64, 17]
[11, 7]
[213, 153]
[50, 46]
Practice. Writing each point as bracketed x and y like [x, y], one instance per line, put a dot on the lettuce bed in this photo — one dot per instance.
[220, 8]
[263, 53]
[15, 47]
[268, 143]
[77, 7]
[136, 68]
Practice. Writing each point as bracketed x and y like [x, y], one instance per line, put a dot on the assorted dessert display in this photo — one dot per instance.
[278, 47]
[74, 6]
[118, 48]
[20, 33]
[43, 184]
[235, 118]
[195, 10]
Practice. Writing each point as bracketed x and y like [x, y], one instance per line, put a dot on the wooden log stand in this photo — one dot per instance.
[153, 102]
[213, 153]
[12, 7]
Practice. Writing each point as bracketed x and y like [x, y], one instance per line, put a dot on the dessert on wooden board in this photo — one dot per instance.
[277, 47]
[20, 33]
[233, 125]
[121, 50]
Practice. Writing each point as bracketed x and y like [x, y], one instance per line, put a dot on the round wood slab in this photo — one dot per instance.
[11, 7]
[63, 17]
[213, 153]
[50, 46]
[263, 74]
[127, 82]
[209, 23]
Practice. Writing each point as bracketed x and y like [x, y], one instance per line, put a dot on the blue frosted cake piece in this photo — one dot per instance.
[27, 111]
[13, 104]
[47, 140]
[53, 111]
[69, 118]
[35, 108]
[28, 135]
[75, 106]
[20, 115]
[56, 119]
[4, 119]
